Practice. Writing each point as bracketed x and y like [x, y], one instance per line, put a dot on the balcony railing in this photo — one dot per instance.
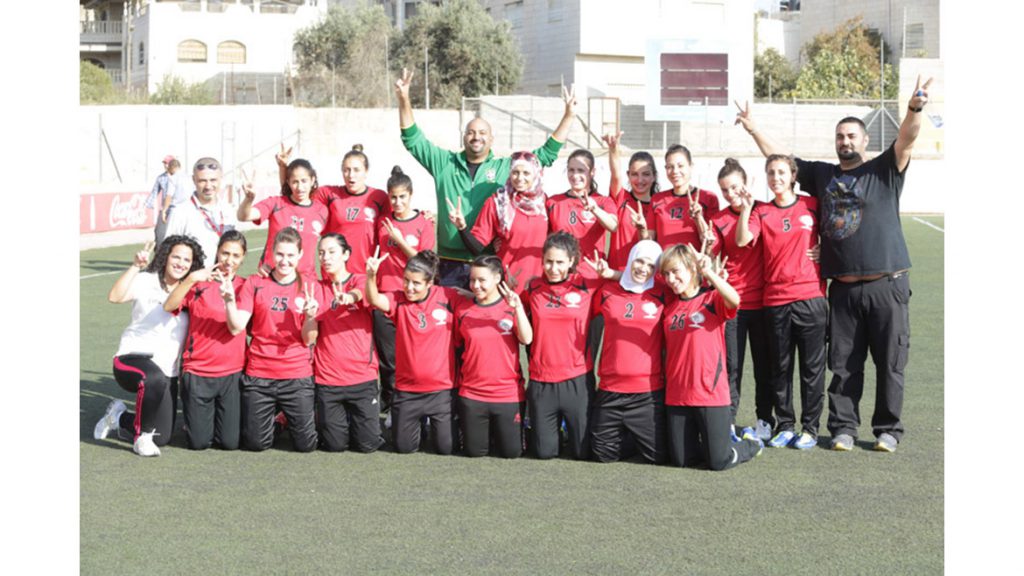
[100, 31]
[116, 76]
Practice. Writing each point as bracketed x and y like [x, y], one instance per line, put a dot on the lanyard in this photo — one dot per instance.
[220, 230]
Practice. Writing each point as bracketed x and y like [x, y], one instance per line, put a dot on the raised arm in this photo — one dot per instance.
[282, 163]
[911, 125]
[405, 117]
[711, 271]
[561, 132]
[236, 319]
[181, 290]
[615, 185]
[743, 234]
[373, 297]
[120, 290]
[246, 211]
[765, 143]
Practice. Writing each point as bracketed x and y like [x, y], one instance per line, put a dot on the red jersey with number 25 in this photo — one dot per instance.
[490, 351]
[344, 353]
[276, 351]
[210, 349]
[694, 330]
[280, 213]
[424, 340]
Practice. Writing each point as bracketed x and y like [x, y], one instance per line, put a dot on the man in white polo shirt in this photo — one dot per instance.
[204, 216]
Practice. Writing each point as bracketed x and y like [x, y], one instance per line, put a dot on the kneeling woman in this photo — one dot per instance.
[696, 383]
[424, 350]
[344, 360]
[279, 369]
[146, 362]
[489, 328]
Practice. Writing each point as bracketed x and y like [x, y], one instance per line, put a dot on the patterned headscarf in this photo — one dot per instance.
[531, 202]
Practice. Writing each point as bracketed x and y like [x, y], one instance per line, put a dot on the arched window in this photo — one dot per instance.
[230, 52]
[191, 51]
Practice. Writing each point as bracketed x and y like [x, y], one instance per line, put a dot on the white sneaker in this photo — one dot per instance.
[763, 430]
[110, 420]
[144, 445]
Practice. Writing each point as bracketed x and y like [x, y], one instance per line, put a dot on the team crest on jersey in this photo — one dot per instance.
[369, 213]
[697, 319]
[505, 325]
[440, 317]
[650, 310]
[807, 223]
[317, 227]
[587, 217]
[573, 300]
[412, 241]
[491, 175]
[300, 303]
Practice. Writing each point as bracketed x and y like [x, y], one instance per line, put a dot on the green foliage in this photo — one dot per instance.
[469, 53]
[342, 58]
[844, 64]
[773, 75]
[174, 90]
[94, 85]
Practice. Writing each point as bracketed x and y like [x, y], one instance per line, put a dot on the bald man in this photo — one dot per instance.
[471, 175]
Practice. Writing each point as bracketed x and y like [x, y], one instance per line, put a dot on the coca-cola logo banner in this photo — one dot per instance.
[121, 211]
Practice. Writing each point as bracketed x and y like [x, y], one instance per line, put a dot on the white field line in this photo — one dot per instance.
[929, 224]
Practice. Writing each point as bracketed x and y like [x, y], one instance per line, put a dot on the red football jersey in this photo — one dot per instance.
[672, 221]
[276, 350]
[631, 350]
[626, 235]
[424, 340]
[344, 353]
[745, 265]
[280, 212]
[695, 369]
[560, 315]
[490, 351]
[787, 234]
[210, 349]
[418, 233]
[566, 214]
[522, 249]
[356, 217]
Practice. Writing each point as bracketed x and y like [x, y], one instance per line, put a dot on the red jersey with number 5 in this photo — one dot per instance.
[787, 233]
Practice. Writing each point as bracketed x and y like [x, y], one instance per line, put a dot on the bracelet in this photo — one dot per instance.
[912, 109]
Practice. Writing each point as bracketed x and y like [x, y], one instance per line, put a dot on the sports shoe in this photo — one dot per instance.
[805, 441]
[886, 443]
[732, 434]
[144, 445]
[110, 420]
[750, 434]
[782, 439]
[763, 430]
[842, 443]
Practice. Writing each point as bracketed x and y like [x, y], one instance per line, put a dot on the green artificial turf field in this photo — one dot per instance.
[792, 512]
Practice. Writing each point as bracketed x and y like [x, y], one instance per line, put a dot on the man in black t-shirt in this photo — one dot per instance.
[865, 256]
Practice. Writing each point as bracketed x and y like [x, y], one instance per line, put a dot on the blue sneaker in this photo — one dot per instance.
[805, 442]
[782, 439]
[749, 434]
[732, 434]
[763, 430]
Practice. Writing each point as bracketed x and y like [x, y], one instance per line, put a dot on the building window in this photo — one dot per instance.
[514, 14]
[555, 10]
[191, 51]
[231, 52]
[142, 53]
[914, 38]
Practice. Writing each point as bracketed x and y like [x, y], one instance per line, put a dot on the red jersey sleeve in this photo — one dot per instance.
[266, 208]
[486, 226]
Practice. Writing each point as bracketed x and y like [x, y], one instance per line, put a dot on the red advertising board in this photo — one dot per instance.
[118, 211]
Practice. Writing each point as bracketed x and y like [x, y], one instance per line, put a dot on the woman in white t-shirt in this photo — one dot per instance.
[147, 359]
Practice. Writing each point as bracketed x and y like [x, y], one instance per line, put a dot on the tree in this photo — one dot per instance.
[174, 90]
[342, 58]
[94, 85]
[844, 63]
[469, 53]
[773, 75]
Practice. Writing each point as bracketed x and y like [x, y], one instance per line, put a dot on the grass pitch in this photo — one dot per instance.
[793, 512]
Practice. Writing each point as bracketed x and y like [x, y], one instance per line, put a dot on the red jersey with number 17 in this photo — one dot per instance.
[695, 373]
[356, 217]
[490, 351]
[787, 233]
[309, 221]
[344, 353]
[424, 340]
[276, 351]
[560, 315]
[210, 349]
[631, 350]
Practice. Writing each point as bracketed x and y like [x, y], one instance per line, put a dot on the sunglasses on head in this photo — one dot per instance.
[210, 166]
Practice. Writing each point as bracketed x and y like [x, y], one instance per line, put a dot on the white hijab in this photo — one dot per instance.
[642, 249]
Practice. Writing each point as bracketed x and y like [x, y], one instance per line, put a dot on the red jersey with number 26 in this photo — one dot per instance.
[787, 233]
[490, 351]
[210, 349]
[560, 314]
[424, 340]
[276, 351]
[631, 350]
[309, 221]
[356, 217]
[344, 353]
[695, 350]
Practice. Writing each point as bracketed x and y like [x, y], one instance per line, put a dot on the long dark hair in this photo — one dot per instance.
[159, 262]
[565, 242]
[588, 159]
[286, 189]
[424, 262]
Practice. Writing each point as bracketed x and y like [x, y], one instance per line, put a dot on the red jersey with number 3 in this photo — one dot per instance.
[672, 221]
[631, 350]
[560, 315]
[356, 217]
[424, 340]
[787, 233]
[626, 235]
[566, 214]
[344, 353]
[695, 373]
[210, 349]
[490, 351]
[745, 265]
[280, 212]
[521, 250]
[276, 351]
[419, 235]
